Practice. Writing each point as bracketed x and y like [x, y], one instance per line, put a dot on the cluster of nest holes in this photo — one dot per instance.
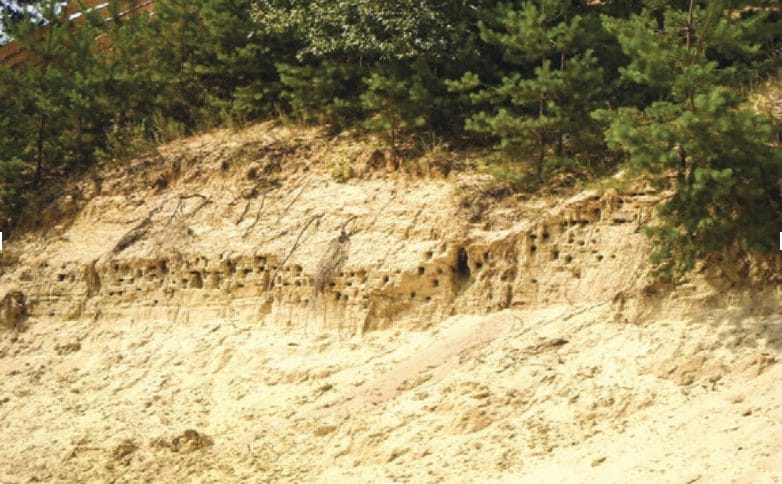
[555, 255]
[345, 287]
[565, 224]
[345, 298]
[238, 272]
[435, 281]
[195, 275]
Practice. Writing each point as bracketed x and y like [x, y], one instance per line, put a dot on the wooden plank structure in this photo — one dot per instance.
[13, 55]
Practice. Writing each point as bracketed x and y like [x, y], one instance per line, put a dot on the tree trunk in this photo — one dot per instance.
[541, 156]
[39, 151]
[560, 143]
[682, 164]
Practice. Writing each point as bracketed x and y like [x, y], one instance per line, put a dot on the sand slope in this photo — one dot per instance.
[556, 395]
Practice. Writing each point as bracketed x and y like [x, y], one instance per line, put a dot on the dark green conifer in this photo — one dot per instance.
[699, 139]
[550, 83]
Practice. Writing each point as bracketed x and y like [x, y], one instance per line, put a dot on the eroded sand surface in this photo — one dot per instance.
[227, 310]
[552, 395]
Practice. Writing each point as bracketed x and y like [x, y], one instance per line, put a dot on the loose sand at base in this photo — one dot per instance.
[552, 395]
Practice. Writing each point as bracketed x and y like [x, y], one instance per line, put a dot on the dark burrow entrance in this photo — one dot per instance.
[462, 274]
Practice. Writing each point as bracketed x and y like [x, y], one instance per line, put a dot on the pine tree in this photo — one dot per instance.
[131, 76]
[550, 84]
[724, 167]
[213, 63]
[396, 103]
[54, 110]
[61, 114]
[174, 44]
[14, 125]
[321, 92]
[239, 62]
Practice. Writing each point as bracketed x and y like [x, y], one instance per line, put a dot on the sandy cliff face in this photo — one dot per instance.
[258, 227]
[212, 312]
